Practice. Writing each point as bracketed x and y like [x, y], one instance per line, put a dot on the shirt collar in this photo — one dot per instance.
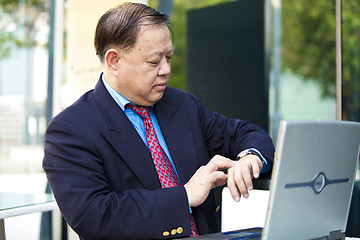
[119, 99]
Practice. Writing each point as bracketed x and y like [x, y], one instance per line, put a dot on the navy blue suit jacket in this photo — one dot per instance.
[103, 176]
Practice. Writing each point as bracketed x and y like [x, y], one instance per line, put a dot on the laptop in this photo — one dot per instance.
[312, 182]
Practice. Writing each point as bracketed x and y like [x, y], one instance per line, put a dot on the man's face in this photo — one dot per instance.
[144, 70]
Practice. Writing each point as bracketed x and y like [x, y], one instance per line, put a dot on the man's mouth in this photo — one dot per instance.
[160, 86]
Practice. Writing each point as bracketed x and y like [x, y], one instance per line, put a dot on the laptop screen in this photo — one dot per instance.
[313, 177]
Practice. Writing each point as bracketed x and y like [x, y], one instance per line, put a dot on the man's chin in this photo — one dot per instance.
[154, 99]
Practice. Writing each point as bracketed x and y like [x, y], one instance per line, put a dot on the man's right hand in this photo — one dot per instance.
[206, 178]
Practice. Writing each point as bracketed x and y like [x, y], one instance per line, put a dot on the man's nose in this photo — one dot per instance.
[165, 67]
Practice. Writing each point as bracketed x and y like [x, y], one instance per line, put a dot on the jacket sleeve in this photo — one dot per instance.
[228, 137]
[85, 195]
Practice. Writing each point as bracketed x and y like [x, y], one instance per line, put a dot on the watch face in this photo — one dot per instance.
[251, 151]
[243, 154]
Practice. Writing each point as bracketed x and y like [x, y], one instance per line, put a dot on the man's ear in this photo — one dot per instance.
[112, 57]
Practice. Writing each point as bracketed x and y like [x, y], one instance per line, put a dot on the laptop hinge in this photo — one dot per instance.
[336, 235]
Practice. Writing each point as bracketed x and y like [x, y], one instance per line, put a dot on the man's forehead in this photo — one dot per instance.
[153, 41]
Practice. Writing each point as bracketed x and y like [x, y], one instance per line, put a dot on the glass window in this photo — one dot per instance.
[24, 33]
[303, 79]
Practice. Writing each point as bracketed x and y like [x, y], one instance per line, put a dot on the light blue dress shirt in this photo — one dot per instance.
[138, 122]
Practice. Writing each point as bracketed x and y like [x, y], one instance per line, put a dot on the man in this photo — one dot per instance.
[135, 159]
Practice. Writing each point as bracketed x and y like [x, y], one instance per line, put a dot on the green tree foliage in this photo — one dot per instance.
[309, 41]
[309, 46]
[18, 23]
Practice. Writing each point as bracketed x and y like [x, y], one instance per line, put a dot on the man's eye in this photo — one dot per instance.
[154, 62]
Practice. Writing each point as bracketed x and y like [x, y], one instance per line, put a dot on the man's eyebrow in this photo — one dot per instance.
[154, 54]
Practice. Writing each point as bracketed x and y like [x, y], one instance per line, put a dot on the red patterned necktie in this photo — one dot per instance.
[164, 168]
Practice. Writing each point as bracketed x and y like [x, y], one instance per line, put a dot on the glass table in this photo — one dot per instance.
[15, 204]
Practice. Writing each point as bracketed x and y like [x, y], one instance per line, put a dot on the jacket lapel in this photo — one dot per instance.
[125, 140]
[122, 135]
[178, 136]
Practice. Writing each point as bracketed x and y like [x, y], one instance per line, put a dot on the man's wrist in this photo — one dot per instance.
[251, 151]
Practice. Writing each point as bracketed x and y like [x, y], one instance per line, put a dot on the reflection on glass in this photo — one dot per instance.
[306, 88]
[24, 30]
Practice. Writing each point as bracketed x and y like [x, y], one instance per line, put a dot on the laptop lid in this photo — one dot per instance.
[312, 180]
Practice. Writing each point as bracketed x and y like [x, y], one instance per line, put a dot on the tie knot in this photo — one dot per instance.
[143, 112]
